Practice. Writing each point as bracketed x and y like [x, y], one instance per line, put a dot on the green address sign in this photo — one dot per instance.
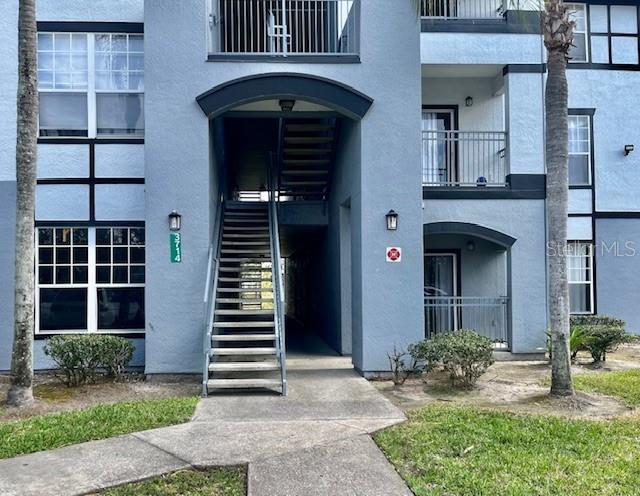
[175, 243]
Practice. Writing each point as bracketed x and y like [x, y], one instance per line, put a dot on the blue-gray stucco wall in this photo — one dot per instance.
[387, 298]
[523, 220]
[617, 252]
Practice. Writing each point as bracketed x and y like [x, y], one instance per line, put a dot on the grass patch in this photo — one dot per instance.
[228, 481]
[624, 384]
[46, 432]
[445, 450]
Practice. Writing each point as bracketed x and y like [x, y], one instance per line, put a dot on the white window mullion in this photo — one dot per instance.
[91, 86]
[37, 282]
[92, 296]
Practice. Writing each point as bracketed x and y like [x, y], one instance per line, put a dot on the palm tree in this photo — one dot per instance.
[20, 393]
[557, 29]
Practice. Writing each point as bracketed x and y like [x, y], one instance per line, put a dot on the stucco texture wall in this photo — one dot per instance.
[617, 253]
[388, 295]
[611, 94]
[523, 220]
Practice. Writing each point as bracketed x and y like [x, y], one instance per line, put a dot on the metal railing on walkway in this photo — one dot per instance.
[464, 158]
[285, 27]
[463, 9]
[488, 316]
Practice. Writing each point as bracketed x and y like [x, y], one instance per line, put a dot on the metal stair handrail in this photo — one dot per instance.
[211, 288]
[276, 277]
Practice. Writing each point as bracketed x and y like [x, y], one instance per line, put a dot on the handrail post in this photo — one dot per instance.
[209, 299]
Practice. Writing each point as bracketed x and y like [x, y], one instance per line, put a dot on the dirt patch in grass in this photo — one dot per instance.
[51, 396]
[226, 481]
[519, 386]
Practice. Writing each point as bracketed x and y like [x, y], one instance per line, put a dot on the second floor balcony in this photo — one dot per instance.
[281, 28]
[464, 158]
[463, 9]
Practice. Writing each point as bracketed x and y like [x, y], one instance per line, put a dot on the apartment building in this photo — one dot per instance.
[213, 172]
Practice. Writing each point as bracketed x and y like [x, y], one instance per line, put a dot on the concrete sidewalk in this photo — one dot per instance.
[313, 442]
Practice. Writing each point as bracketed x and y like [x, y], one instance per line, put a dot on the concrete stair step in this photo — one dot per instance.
[243, 337]
[304, 183]
[306, 172]
[306, 161]
[246, 301]
[243, 351]
[301, 152]
[308, 127]
[308, 140]
[244, 279]
[249, 252]
[244, 312]
[246, 260]
[243, 325]
[244, 229]
[243, 366]
[245, 243]
[246, 213]
[245, 290]
[246, 236]
[243, 383]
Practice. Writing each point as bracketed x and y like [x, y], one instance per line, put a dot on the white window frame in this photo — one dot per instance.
[92, 93]
[91, 286]
[574, 7]
[572, 252]
[588, 152]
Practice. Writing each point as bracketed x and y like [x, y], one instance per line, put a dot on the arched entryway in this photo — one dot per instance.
[285, 86]
[294, 137]
[467, 272]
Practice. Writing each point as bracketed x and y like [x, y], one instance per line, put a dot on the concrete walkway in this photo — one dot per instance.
[313, 442]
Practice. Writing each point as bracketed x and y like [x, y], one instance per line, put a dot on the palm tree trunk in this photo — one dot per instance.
[20, 393]
[558, 33]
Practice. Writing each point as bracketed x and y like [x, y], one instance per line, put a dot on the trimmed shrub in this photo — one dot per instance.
[116, 353]
[79, 356]
[464, 354]
[600, 334]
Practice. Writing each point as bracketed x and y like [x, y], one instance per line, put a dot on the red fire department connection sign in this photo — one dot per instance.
[394, 254]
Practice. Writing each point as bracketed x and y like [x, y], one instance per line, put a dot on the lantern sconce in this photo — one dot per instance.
[175, 221]
[628, 149]
[468, 101]
[392, 220]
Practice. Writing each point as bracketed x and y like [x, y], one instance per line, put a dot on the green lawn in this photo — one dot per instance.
[214, 482]
[623, 384]
[53, 431]
[446, 450]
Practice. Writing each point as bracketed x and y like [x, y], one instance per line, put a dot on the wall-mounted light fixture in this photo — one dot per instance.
[392, 220]
[175, 221]
[628, 149]
[468, 101]
[287, 105]
[471, 246]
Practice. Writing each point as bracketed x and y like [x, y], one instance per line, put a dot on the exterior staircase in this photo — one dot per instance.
[306, 155]
[246, 349]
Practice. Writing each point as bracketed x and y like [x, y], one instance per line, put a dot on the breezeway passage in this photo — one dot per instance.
[315, 441]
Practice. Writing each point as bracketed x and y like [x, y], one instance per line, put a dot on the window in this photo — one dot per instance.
[63, 83]
[101, 98]
[120, 274]
[579, 150]
[579, 50]
[580, 275]
[119, 62]
[63, 258]
[90, 279]
[614, 34]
